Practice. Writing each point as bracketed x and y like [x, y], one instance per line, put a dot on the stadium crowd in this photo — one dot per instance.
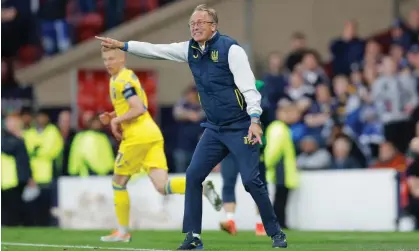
[48, 27]
[361, 112]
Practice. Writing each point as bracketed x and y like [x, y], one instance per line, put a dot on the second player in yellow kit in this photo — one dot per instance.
[142, 144]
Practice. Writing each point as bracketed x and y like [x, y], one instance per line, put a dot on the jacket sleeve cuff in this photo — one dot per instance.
[125, 48]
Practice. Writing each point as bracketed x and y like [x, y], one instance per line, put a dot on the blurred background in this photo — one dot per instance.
[343, 75]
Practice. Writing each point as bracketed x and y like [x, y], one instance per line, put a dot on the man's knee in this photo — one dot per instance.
[159, 178]
[120, 180]
[194, 175]
[253, 183]
[160, 189]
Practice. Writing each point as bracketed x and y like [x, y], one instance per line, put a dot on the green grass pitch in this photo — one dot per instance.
[51, 239]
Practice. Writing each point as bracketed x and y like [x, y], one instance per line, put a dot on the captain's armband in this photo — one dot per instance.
[129, 91]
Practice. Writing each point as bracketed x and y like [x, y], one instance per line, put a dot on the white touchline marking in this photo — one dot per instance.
[79, 247]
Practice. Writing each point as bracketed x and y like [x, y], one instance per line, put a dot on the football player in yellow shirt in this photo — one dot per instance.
[142, 144]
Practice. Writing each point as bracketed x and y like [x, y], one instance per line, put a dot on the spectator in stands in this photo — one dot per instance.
[341, 155]
[373, 53]
[397, 54]
[8, 80]
[372, 132]
[312, 157]
[370, 74]
[413, 59]
[298, 92]
[189, 114]
[114, 13]
[87, 6]
[311, 69]
[347, 49]
[18, 25]
[27, 118]
[395, 97]
[16, 174]
[68, 133]
[320, 112]
[13, 96]
[390, 157]
[274, 88]
[54, 26]
[357, 81]
[290, 114]
[360, 82]
[298, 49]
[412, 26]
[399, 35]
[357, 151]
[413, 181]
[348, 104]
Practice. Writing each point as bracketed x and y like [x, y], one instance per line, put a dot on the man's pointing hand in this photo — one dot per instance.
[110, 43]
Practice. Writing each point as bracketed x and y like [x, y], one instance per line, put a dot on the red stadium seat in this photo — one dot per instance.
[89, 26]
[133, 8]
[29, 54]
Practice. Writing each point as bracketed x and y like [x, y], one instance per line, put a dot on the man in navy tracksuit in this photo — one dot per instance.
[226, 86]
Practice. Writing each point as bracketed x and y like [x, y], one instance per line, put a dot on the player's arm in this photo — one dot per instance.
[137, 107]
[245, 80]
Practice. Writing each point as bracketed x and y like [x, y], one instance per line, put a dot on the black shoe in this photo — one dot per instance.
[191, 243]
[279, 240]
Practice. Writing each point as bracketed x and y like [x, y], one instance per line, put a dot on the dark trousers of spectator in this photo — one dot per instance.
[399, 134]
[27, 34]
[114, 13]
[87, 6]
[40, 208]
[14, 211]
[280, 204]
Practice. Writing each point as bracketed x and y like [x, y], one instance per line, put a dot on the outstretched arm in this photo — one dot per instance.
[175, 51]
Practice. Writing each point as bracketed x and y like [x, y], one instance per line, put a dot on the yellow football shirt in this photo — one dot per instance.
[142, 129]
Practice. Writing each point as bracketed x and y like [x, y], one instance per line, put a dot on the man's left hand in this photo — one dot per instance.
[255, 133]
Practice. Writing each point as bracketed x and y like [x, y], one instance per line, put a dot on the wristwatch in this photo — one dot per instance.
[256, 120]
